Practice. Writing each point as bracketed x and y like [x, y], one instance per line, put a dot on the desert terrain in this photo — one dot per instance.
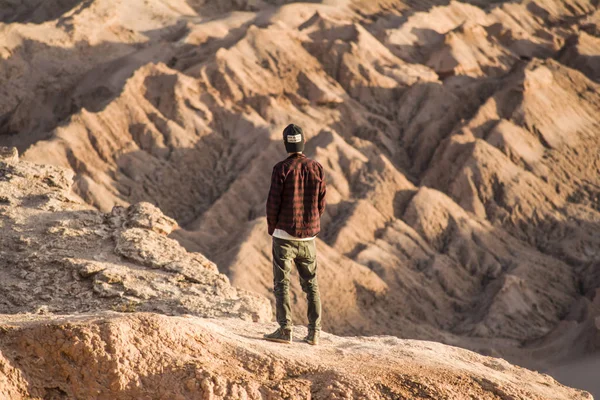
[459, 139]
[105, 306]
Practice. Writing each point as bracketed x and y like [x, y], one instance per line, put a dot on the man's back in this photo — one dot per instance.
[297, 196]
[294, 207]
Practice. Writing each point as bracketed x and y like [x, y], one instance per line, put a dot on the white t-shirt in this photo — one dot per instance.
[281, 234]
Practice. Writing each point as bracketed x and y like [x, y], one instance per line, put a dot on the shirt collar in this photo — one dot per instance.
[296, 155]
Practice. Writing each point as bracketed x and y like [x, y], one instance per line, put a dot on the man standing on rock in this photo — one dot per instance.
[294, 208]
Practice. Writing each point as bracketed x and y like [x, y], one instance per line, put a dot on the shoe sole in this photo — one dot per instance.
[279, 340]
[311, 343]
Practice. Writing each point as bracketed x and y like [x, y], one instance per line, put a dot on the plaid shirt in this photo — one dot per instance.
[297, 196]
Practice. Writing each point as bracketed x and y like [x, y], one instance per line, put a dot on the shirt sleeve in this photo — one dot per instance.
[322, 193]
[274, 199]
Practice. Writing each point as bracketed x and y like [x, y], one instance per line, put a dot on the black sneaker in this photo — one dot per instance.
[280, 336]
[313, 337]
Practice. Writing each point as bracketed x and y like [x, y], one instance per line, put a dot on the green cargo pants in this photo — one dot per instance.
[303, 254]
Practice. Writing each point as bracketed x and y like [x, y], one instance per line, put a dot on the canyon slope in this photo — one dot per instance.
[459, 138]
[103, 305]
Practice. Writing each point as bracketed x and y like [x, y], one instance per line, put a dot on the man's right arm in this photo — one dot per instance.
[274, 199]
[322, 193]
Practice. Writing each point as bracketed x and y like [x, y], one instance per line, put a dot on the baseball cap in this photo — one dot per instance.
[293, 138]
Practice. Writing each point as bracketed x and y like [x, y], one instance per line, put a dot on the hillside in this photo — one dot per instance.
[459, 138]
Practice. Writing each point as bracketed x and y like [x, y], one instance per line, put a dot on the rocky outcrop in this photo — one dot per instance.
[58, 255]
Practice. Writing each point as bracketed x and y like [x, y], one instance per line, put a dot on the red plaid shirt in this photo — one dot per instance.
[297, 196]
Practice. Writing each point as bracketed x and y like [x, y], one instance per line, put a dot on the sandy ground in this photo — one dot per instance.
[581, 374]
[150, 356]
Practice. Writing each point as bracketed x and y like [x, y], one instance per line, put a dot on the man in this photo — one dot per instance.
[294, 208]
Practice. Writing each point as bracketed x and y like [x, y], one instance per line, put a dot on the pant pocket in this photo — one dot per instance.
[310, 249]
